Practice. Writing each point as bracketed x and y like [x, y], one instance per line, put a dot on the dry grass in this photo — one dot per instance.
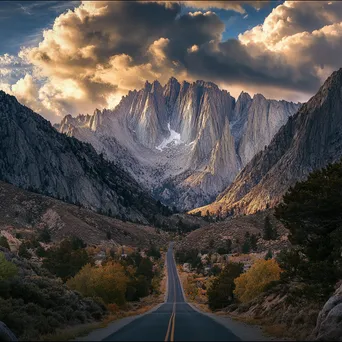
[71, 333]
[279, 331]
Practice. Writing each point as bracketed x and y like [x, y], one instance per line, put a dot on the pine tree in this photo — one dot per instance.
[253, 241]
[246, 247]
[270, 233]
[268, 255]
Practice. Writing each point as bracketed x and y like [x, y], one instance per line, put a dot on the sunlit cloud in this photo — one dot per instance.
[99, 51]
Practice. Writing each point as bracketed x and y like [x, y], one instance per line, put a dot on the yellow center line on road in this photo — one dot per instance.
[172, 321]
[169, 328]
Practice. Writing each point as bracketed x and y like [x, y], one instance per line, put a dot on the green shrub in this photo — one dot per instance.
[221, 292]
[7, 269]
[4, 242]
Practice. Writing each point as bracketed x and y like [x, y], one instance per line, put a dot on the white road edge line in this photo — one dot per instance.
[217, 318]
[102, 333]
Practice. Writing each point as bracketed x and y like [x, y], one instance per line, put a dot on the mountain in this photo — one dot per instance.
[25, 212]
[185, 142]
[310, 140]
[34, 156]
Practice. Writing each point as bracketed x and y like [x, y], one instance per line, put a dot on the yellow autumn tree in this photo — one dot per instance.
[250, 284]
[107, 282]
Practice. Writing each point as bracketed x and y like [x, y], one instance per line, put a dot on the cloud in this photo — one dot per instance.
[226, 5]
[99, 51]
[306, 35]
[12, 68]
[93, 54]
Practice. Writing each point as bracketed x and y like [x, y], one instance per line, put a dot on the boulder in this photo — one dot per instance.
[6, 334]
[329, 321]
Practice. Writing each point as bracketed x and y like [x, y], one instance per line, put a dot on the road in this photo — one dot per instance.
[175, 320]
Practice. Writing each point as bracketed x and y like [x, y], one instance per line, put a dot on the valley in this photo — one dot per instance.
[176, 211]
[88, 209]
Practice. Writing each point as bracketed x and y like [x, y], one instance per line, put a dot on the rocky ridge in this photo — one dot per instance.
[310, 140]
[185, 142]
[34, 156]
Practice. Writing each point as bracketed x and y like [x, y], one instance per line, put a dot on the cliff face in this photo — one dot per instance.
[185, 142]
[308, 141]
[33, 155]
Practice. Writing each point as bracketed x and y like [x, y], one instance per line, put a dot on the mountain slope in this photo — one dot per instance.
[185, 142]
[33, 155]
[310, 140]
[25, 211]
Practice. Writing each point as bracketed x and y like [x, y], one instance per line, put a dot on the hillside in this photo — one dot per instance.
[34, 156]
[25, 212]
[215, 235]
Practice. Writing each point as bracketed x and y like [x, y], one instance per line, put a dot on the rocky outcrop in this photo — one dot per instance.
[35, 156]
[6, 334]
[185, 142]
[264, 118]
[309, 140]
[329, 321]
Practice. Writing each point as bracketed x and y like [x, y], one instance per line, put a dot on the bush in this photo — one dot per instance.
[34, 303]
[250, 284]
[153, 252]
[221, 292]
[107, 282]
[7, 269]
[4, 242]
[23, 252]
[44, 236]
[66, 259]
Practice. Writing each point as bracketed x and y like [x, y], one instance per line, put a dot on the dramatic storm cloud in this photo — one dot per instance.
[98, 51]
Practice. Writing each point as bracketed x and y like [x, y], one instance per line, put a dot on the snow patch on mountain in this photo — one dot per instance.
[174, 139]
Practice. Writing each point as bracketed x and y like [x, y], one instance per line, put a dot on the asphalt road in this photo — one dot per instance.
[175, 320]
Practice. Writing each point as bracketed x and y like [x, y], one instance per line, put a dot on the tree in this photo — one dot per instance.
[221, 292]
[145, 268]
[215, 271]
[40, 252]
[250, 284]
[7, 269]
[23, 252]
[226, 249]
[246, 247]
[312, 212]
[44, 236]
[4, 242]
[66, 259]
[142, 286]
[268, 255]
[108, 282]
[270, 233]
[253, 242]
[153, 252]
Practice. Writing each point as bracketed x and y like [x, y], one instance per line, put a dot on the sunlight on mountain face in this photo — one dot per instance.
[160, 154]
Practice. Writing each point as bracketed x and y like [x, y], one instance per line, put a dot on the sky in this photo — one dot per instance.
[70, 57]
